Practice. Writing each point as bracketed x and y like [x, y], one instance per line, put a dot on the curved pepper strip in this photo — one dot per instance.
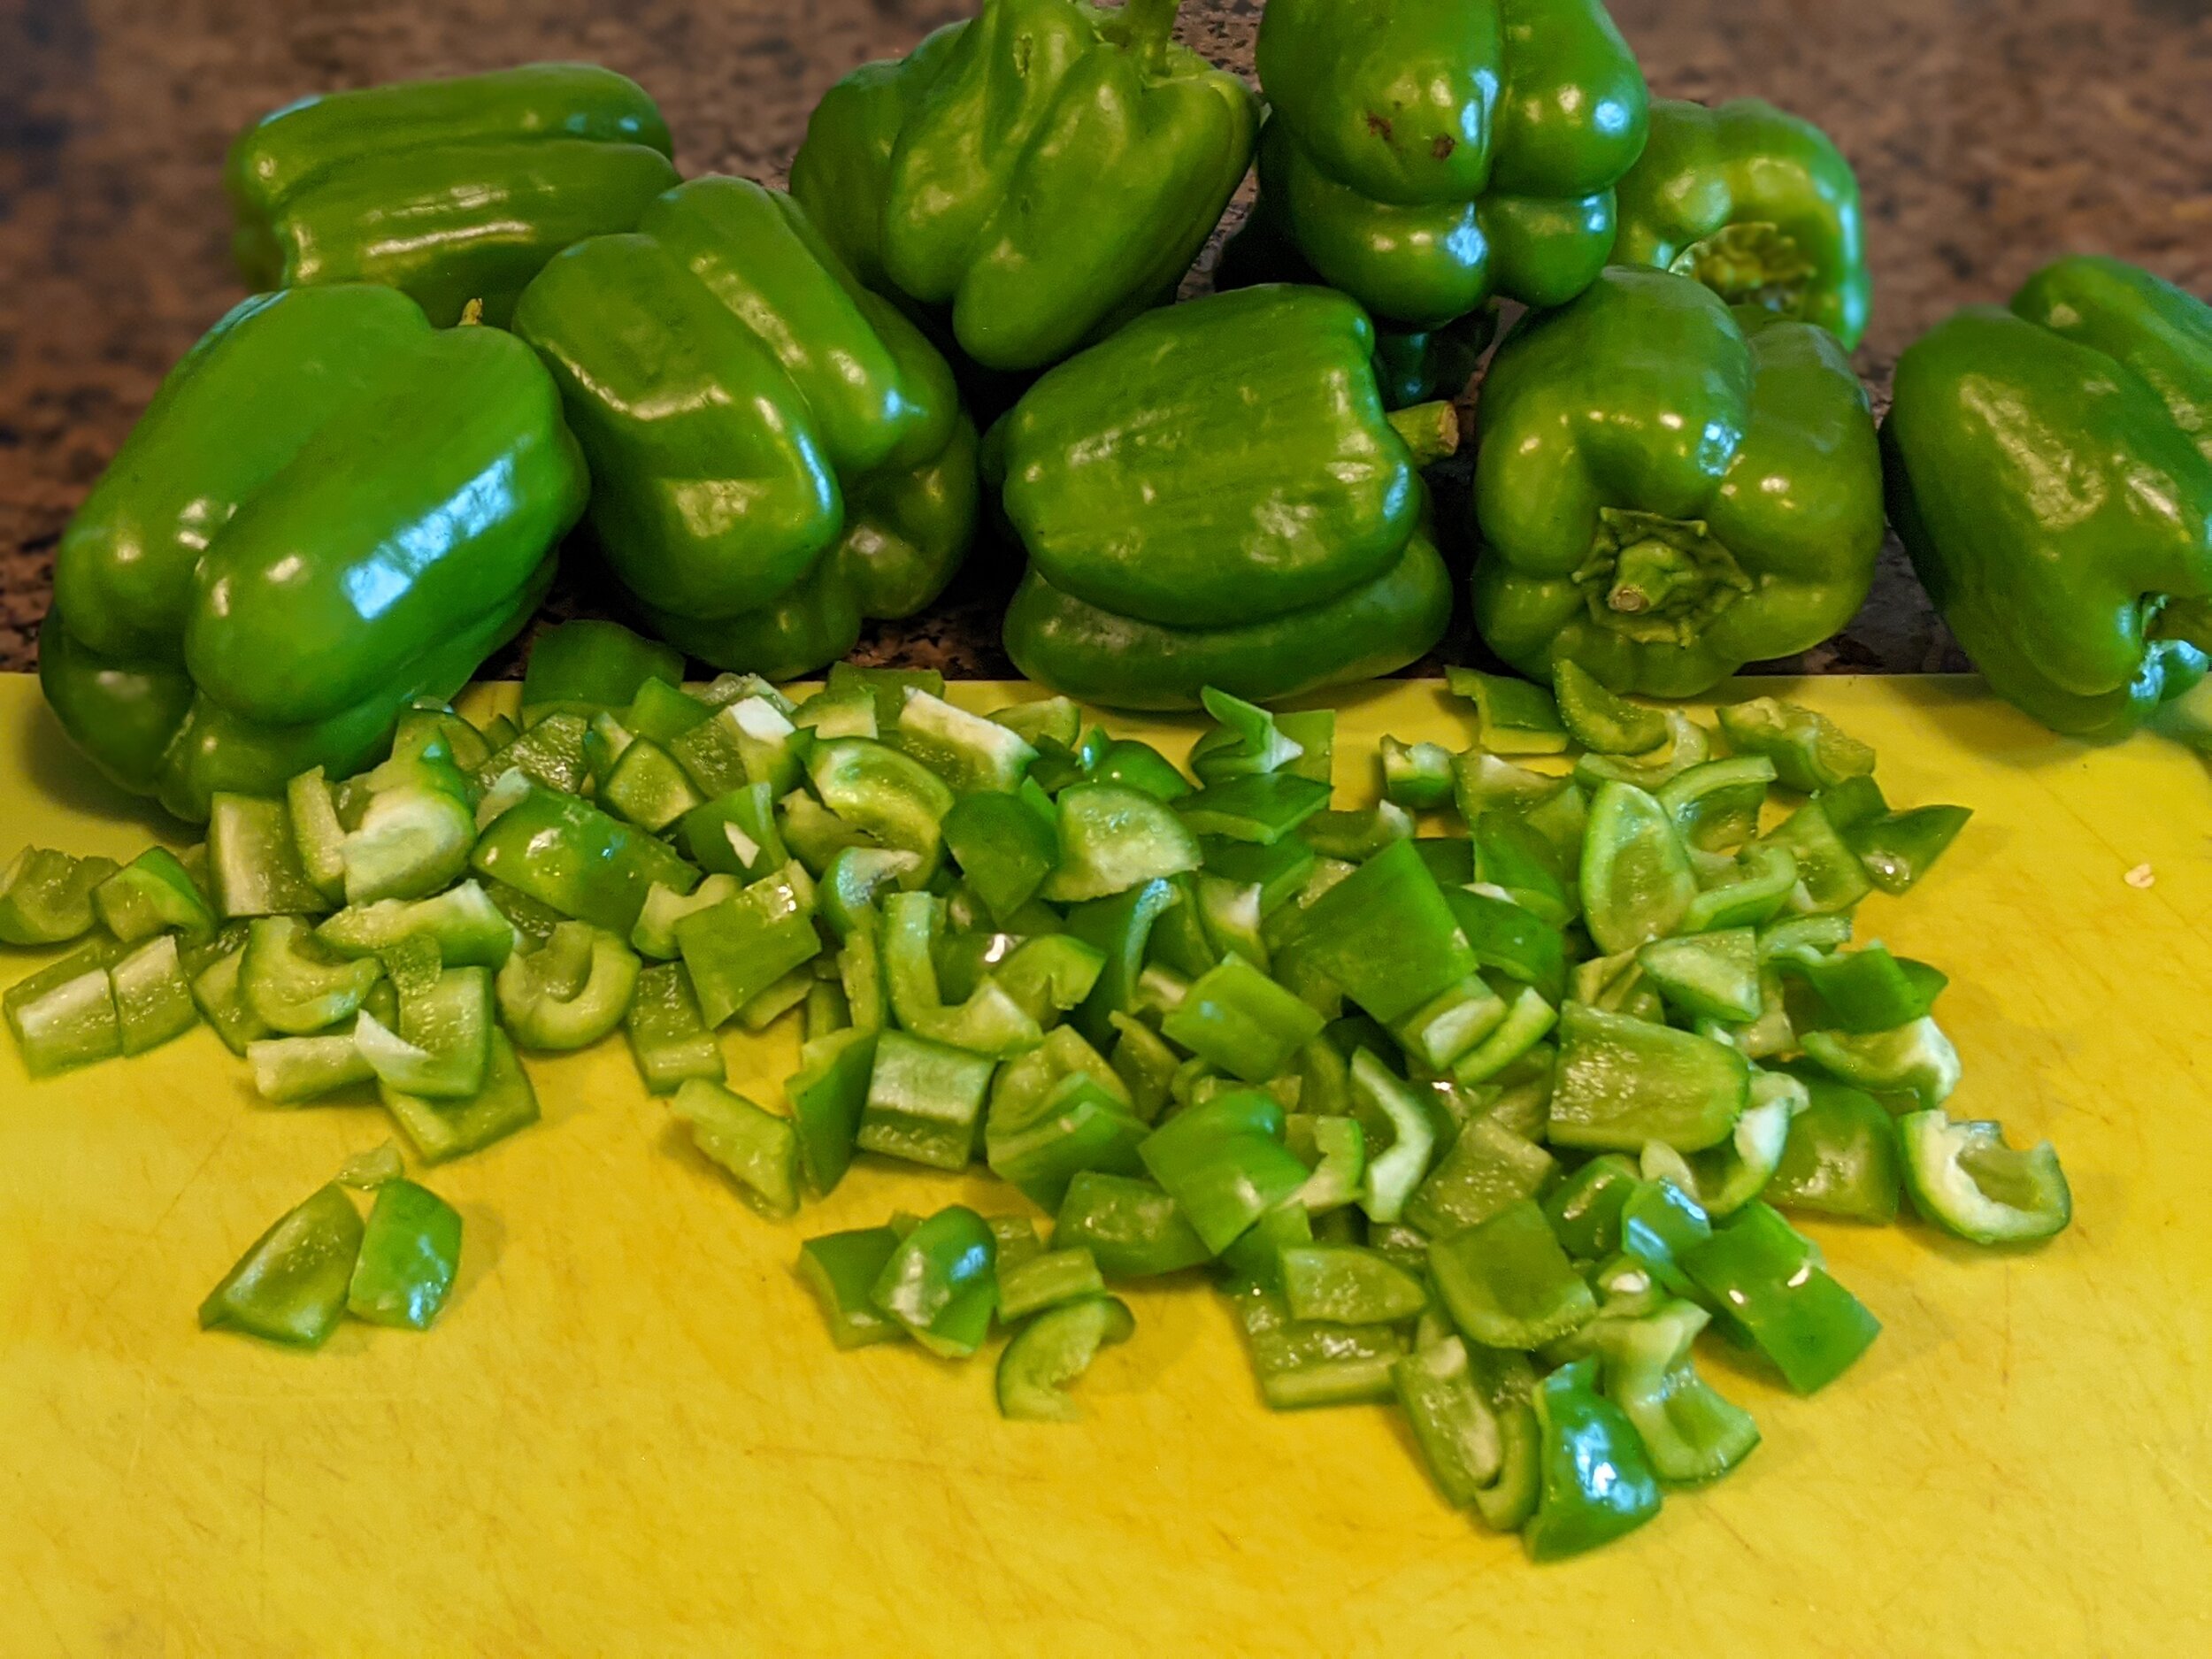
[452, 191]
[1425, 156]
[330, 509]
[755, 543]
[2088, 605]
[1619, 438]
[1756, 203]
[1037, 176]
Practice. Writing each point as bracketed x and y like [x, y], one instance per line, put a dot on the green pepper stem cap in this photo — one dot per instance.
[1430, 430]
[1148, 26]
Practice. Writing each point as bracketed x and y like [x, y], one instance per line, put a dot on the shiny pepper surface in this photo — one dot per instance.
[330, 508]
[1036, 175]
[2050, 472]
[1215, 496]
[451, 190]
[1667, 489]
[1755, 202]
[775, 451]
[1425, 154]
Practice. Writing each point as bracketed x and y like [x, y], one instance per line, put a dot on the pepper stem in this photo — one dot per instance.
[1649, 575]
[1148, 26]
[1430, 430]
[471, 314]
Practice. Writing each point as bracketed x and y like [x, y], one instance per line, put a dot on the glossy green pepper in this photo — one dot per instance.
[2050, 472]
[1425, 154]
[1215, 496]
[450, 190]
[1756, 203]
[1034, 176]
[1668, 489]
[331, 508]
[775, 451]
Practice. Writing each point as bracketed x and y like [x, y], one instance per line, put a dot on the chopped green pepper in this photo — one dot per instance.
[1416, 776]
[570, 991]
[1767, 1282]
[924, 1101]
[1311, 1362]
[409, 1256]
[1507, 1283]
[1051, 1351]
[289, 1070]
[1716, 803]
[1624, 1081]
[153, 999]
[1237, 1019]
[669, 1040]
[1114, 838]
[841, 1270]
[1636, 879]
[1709, 976]
[290, 1287]
[295, 986]
[1964, 1177]
[1224, 1163]
[152, 894]
[1488, 1168]
[1133, 1229]
[568, 854]
[758, 1149]
[1690, 1434]
[46, 898]
[1512, 717]
[1809, 751]
[1840, 1158]
[939, 1284]
[1597, 1480]
[1585, 1209]
[1915, 1059]
[1600, 721]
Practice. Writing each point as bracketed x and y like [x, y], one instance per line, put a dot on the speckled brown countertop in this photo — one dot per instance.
[1988, 135]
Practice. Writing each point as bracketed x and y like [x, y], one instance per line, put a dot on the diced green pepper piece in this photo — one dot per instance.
[443, 1129]
[1357, 835]
[1240, 1020]
[291, 1286]
[1005, 848]
[1828, 875]
[1529, 1019]
[591, 664]
[1345, 1284]
[1866, 990]
[1749, 892]
[289, 1070]
[1132, 1227]
[1636, 879]
[1059, 719]
[572, 991]
[1488, 1168]
[1897, 849]
[924, 1101]
[736, 833]
[1623, 1082]
[1585, 1209]
[1119, 927]
[1507, 1283]
[551, 753]
[1809, 751]
[940, 1284]
[1249, 741]
[1840, 1158]
[1383, 934]
[409, 1256]
[663, 711]
[1417, 776]
[1051, 1351]
[1688, 745]
[968, 751]
[318, 834]
[841, 1270]
[1512, 716]
[737, 949]
[855, 880]
[1111, 840]
[648, 788]
[1708, 976]
[747, 741]
[1597, 1480]
[153, 999]
[1509, 940]
[1717, 804]
[568, 854]
[468, 928]
[1335, 1149]
[1768, 1285]
[1302, 1363]
[1964, 1177]
[294, 984]
[150, 894]
[1055, 1113]
[254, 862]
[1279, 872]
[1601, 721]
[1392, 1118]
[414, 836]
[1731, 1174]
[669, 1040]
[887, 686]
[1453, 1423]
[46, 897]
[1045, 1280]
[442, 1050]
[1915, 1059]
[1661, 1223]
[884, 794]
[1259, 809]
[759, 1149]
[1224, 1163]
[64, 1015]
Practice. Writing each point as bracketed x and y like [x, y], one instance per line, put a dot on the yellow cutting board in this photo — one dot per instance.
[629, 1434]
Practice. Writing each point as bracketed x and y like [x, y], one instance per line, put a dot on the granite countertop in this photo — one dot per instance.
[1988, 137]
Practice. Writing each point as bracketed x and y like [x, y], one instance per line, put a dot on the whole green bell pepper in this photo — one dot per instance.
[1036, 175]
[1756, 203]
[330, 509]
[1216, 496]
[450, 190]
[2050, 472]
[1668, 489]
[1424, 156]
[775, 451]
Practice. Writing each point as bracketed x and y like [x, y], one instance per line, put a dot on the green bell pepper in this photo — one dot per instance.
[152, 894]
[759, 1149]
[1616, 436]
[1690, 1434]
[1132, 1228]
[2050, 472]
[47, 898]
[1964, 1177]
[1035, 176]
[566, 853]
[291, 1286]
[1507, 1283]
[329, 509]
[754, 540]
[452, 191]
[1302, 1363]
[409, 1252]
[588, 666]
[570, 991]
[1424, 157]
[841, 1270]
[1215, 496]
[941, 1283]
[1623, 1082]
[1841, 1157]
[1756, 203]
[1224, 1163]
[1051, 1351]
[1770, 1287]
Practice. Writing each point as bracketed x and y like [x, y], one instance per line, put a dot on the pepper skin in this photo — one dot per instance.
[1755, 202]
[775, 451]
[1425, 154]
[330, 509]
[1038, 174]
[1215, 496]
[450, 190]
[2050, 472]
[1667, 489]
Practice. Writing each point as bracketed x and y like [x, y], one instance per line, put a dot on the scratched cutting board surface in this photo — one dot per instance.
[629, 1433]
